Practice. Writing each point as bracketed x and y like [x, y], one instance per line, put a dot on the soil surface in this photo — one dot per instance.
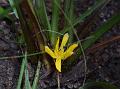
[103, 63]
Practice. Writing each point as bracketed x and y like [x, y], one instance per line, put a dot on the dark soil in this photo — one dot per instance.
[103, 64]
[8, 47]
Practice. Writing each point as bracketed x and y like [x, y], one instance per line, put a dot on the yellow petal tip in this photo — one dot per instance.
[59, 70]
[66, 35]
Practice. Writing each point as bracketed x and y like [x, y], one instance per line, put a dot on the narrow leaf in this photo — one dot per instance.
[100, 31]
[21, 72]
[69, 11]
[41, 13]
[88, 12]
[55, 19]
[27, 81]
[36, 78]
[13, 6]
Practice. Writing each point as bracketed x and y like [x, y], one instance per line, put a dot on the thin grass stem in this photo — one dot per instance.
[28, 55]
[58, 79]
[36, 78]
[22, 71]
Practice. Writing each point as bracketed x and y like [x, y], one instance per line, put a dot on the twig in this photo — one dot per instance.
[103, 44]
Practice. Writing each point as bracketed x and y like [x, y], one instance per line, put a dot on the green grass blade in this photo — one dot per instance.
[31, 7]
[88, 12]
[55, 19]
[41, 13]
[100, 31]
[13, 6]
[102, 85]
[69, 11]
[21, 72]
[67, 6]
[20, 56]
[36, 78]
[27, 82]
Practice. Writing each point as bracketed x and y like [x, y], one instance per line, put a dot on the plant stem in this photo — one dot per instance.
[58, 79]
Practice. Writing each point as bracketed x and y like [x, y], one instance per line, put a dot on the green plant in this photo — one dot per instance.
[38, 29]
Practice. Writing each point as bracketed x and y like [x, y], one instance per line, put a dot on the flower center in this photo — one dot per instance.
[59, 54]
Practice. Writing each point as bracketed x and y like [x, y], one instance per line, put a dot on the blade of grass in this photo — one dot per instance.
[13, 6]
[69, 11]
[86, 27]
[35, 25]
[22, 71]
[100, 31]
[55, 19]
[33, 16]
[67, 6]
[28, 55]
[41, 13]
[27, 81]
[36, 78]
[88, 12]
[71, 18]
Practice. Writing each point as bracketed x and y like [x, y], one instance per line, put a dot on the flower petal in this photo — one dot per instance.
[57, 45]
[64, 40]
[67, 55]
[69, 51]
[50, 52]
[58, 64]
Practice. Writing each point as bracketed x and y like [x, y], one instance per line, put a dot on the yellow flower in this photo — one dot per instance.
[59, 53]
